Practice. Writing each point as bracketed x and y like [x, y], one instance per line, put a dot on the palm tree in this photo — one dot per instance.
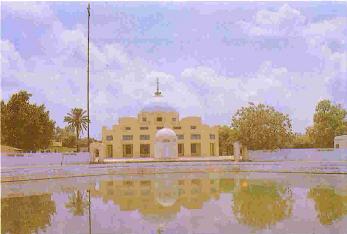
[77, 203]
[78, 121]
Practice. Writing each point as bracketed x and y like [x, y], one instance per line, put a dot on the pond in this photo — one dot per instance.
[180, 203]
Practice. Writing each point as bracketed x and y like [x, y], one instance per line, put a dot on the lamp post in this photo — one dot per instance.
[88, 9]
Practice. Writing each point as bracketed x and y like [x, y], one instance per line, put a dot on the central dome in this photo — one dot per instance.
[158, 104]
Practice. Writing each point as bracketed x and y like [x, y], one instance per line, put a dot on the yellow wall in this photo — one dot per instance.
[149, 120]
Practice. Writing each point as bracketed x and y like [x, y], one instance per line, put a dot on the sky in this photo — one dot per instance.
[211, 58]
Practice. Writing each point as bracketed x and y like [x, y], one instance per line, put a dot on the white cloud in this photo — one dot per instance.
[39, 12]
[285, 21]
[121, 84]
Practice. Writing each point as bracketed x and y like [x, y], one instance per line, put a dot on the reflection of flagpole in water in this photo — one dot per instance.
[90, 220]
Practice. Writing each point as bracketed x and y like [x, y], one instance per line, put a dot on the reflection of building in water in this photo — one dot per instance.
[161, 199]
[138, 137]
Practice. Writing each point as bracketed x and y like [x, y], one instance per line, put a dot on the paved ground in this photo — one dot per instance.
[153, 167]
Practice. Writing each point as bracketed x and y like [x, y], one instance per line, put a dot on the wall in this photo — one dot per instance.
[299, 155]
[39, 159]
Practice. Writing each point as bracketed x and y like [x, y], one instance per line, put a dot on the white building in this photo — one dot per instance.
[340, 142]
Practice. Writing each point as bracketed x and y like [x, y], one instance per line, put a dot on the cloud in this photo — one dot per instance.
[122, 83]
[39, 12]
[284, 21]
[276, 86]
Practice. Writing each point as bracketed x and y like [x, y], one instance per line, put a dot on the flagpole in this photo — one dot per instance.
[88, 77]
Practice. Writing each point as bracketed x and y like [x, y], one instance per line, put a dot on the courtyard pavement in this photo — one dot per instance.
[135, 167]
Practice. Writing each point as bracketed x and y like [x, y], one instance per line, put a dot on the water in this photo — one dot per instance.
[178, 203]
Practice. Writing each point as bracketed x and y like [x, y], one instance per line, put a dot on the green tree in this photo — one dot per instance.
[84, 141]
[329, 205]
[66, 136]
[77, 120]
[301, 141]
[77, 203]
[227, 136]
[25, 125]
[328, 122]
[29, 214]
[262, 127]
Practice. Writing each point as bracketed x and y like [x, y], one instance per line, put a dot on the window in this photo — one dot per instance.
[127, 150]
[180, 136]
[212, 136]
[177, 127]
[144, 119]
[196, 182]
[212, 149]
[180, 149]
[159, 119]
[192, 127]
[143, 128]
[144, 150]
[127, 128]
[195, 136]
[159, 128]
[127, 137]
[109, 149]
[109, 138]
[195, 149]
[128, 183]
[144, 137]
[145, 182]
[174, 119]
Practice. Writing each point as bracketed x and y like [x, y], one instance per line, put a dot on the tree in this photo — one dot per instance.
[262, 127]
[301, 141]
[84, 141]
[227, 136]
[25, 125]
[66, 136]
[328, 122]
[77, 120]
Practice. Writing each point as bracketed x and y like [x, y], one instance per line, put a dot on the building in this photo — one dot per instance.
[340, 142]
[157, 131]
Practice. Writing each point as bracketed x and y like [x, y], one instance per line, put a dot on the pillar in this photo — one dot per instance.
[244, 153]
[236, 151]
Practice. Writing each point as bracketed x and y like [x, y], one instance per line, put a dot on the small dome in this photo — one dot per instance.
[158, 104]
[165, 134]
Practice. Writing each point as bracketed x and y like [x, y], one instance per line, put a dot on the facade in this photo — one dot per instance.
[340, 142]
[158, 132]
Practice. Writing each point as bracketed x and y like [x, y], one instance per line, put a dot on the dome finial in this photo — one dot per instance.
[157, 93]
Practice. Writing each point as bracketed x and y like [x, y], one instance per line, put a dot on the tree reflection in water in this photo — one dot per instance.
[77, 203]
[21, 215]
[329, 205]
[261, 205]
